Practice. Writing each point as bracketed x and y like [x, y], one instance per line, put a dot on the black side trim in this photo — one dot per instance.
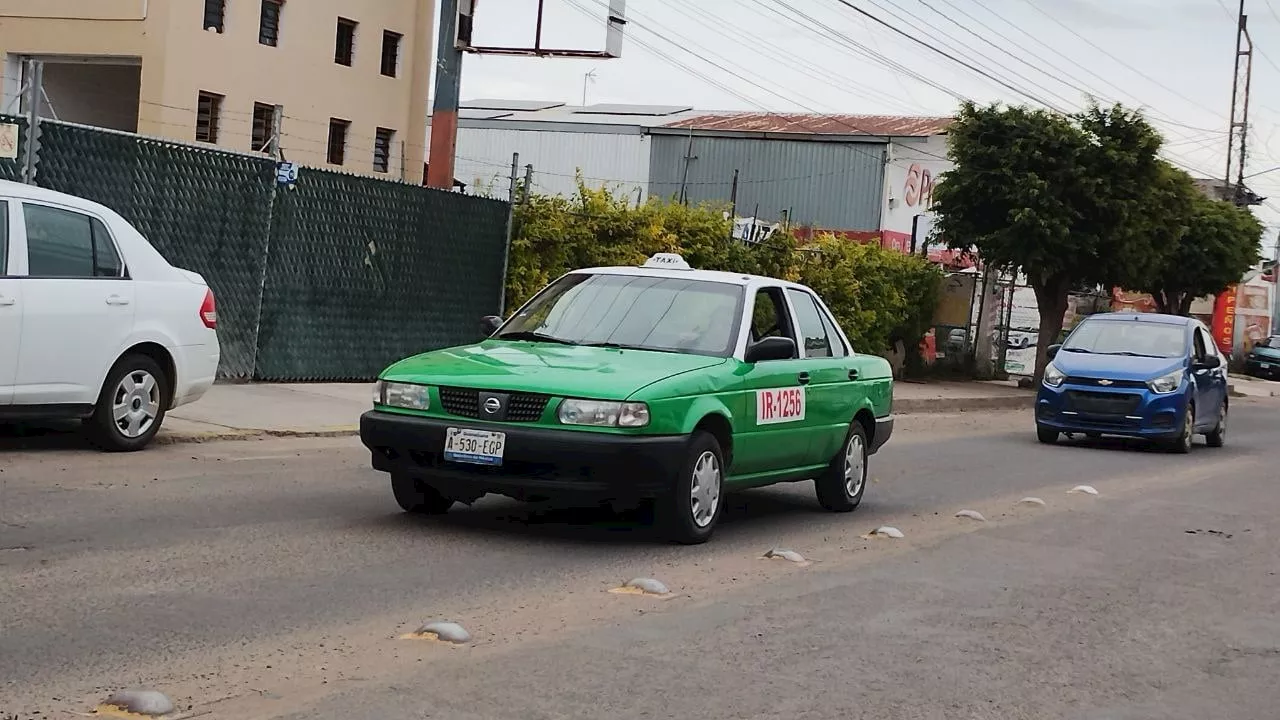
[67, 411]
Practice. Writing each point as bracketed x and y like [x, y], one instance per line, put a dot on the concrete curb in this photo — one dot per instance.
[923, 406]
[900, 407]
[183, 438]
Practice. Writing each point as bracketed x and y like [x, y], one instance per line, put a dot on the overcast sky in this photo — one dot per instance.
[1171, 57]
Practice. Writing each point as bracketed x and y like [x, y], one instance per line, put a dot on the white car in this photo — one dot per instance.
[94, 323]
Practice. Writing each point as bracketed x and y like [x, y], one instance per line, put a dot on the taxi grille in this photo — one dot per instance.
[521, 407]
[1117, 384]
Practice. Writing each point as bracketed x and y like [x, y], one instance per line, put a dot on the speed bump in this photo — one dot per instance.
[642, 586]
[445, 632]
[136, 703]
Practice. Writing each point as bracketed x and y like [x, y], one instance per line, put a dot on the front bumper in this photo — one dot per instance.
[1127, 412]
[1254, 366]
[537, 462]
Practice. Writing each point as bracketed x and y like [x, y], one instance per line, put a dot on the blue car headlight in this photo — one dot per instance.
[1053, 377]
[1166, 384]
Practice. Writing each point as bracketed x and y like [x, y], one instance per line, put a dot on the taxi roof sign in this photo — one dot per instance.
[668, 261]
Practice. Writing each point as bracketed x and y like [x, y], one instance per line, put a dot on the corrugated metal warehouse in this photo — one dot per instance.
[826, 171]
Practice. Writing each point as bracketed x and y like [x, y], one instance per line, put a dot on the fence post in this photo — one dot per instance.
[511, 213]
[35, 85]
[277, 128]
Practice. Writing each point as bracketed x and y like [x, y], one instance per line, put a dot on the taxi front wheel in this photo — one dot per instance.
[689, 513]
[840, 488]
[418, 497]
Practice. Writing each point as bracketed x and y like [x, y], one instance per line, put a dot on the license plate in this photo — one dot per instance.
[477, 447]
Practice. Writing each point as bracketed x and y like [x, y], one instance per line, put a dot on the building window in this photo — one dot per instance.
[344, 52]
[215, 14]
[338, 140]
[382, 149]
[269, 27]
[208, 112]
[264, 125]
[391, 53]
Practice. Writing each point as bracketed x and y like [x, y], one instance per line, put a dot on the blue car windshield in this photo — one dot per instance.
[1141, 338]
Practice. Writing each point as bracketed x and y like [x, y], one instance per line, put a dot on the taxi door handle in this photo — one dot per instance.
[853, 374]
[803, 378]
[6, 301]
[117, 300]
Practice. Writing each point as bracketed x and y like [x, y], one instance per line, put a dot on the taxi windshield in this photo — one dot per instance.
[638, 312]
[1115, 337]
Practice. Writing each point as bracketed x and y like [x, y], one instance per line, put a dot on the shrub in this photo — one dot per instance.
[879, 296]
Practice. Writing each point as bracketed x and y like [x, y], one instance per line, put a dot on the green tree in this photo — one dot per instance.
[1219, 244]
[878, 295]
[1067, 200]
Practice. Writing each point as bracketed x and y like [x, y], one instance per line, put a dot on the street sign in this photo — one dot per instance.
[286, 173]
[8, 141]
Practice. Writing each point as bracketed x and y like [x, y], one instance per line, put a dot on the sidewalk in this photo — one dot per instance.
[237, 412]
[1245, 386]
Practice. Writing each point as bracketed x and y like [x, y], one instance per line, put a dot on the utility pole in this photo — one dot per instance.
[511, 219]
[277, 129]
[1239, 132]
[455, 34]
[35, 90]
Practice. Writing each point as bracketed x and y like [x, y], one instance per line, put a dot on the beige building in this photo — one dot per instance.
[345, 81]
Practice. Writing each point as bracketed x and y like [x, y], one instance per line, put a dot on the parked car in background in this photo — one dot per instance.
[1263, 361]
[622, 384]
[1149, 376]
[94, 323]
[1019, 339]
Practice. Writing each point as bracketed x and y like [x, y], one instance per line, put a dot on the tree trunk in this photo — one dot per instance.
[1184, 305]
[1163, 303]
[1051, 299]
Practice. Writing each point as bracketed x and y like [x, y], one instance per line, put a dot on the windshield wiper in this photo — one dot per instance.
[1130, 353]
[534, 337]
[620, 346]
[1077, 350]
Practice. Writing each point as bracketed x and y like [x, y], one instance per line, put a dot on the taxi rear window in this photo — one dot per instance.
[699, 317]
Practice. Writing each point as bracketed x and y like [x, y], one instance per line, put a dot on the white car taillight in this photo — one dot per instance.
[209, 311]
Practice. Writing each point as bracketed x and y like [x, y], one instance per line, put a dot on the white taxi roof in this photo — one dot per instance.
[740, 279]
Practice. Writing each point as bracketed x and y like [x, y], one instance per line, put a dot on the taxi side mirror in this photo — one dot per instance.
[489, 325]
[1052, 351]
[771, 348]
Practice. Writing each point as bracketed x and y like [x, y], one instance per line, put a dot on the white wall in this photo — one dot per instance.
[914, 166]
[617, 160]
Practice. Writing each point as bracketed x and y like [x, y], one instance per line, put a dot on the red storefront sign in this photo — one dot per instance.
[1224, 320]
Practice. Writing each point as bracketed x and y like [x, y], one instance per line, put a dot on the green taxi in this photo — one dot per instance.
[624, 385]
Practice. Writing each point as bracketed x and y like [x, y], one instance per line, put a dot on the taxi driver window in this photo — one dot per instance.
[633, 311]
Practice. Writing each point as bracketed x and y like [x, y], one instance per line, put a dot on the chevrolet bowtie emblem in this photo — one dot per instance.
[1104, 382]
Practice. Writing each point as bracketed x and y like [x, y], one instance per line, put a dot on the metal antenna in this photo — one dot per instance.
[587, 78]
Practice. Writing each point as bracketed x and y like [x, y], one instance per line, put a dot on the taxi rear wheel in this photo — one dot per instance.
[840, 488]
[689, 513]
[418, 497]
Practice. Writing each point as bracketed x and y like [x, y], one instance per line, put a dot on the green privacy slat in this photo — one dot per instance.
[332, 279]
[363, 272]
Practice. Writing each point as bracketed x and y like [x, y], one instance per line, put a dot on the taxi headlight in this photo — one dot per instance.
[601, 413]
[1166, 384]
[402, 395]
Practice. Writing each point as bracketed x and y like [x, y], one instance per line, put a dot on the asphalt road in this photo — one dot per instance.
[274, 578]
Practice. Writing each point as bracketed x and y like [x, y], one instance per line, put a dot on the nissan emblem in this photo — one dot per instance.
[492, 405]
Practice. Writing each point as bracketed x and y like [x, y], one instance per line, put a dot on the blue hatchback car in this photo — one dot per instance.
[1148, 376]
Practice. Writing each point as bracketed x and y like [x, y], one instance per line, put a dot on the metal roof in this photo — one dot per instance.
[529, 114]
[814, 124]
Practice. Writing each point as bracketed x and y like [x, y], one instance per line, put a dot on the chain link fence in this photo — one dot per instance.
[330, 277]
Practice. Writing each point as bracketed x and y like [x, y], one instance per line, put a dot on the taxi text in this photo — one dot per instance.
[779, 405]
